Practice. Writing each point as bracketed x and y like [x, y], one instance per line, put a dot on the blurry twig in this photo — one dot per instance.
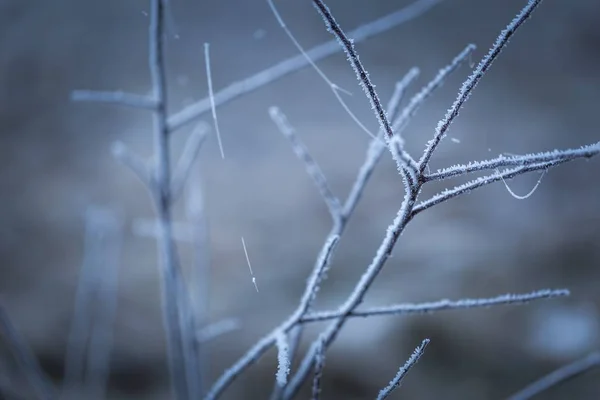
[95, 305]
[42, 385]
[559, 376]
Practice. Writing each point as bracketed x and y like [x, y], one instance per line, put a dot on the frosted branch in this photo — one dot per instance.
[395, 383]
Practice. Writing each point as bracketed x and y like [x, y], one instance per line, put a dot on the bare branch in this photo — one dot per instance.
[178, 319]
[218, 329]
[42, 385]
[559, 376]
[186, 160]
[473, 80]
[418, 100]
[117, 98]
[359, 70]
[285, 67]
[513, 161]
[135, 163]
[441, 305]
[283, 359]
[554, 160]
[395, 383]
[319, 365]
[373, 155]
[312, 168]
[95, 305]
[376, 146]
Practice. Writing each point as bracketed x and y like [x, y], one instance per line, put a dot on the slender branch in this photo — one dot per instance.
[359, 70]
[117, 98]
[525, 160]
[285, 67]
[283, 359]
[218, 329]
[395, 383]
[319, 365]
[134, 162]
[312, 168]
[178, 321]
[559, 376]
[211, 97]
[187, 159]
[376, 146]
[42, 385]
[372, 157]
[505, 175]
[473, 80]
[355, 298]
[419, 99]
[440, 305]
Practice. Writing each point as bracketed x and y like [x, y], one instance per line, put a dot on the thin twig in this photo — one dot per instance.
[285, 67]
[505, 175]
[395, 383]
[95, 306]
[283, 359]
[473, 80]
[559, 376]
[116, 98]
[312, 168]
[131, 160]
[372, 157]
[178, 321]
[42, 385]
[405, 214]
[187, 159]
[319, 366]
[440, 305]
[211, 96]
[361, 73]
[513, 161]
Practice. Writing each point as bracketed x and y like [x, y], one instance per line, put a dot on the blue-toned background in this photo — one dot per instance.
[542, 93]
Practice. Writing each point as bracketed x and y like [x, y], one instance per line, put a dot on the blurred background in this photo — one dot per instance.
[542, 93]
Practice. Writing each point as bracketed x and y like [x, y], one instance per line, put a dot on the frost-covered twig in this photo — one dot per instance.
[473, 80]
[285, 67]
[552, 157]
[319, 365]
[502, 176]
[373, 155]
[559, 376]
[361, 73]
[395, 383]
[406, 212]
[440, 305]
[312, 168]
[211, 96]
[283, 359]
[42, 385]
